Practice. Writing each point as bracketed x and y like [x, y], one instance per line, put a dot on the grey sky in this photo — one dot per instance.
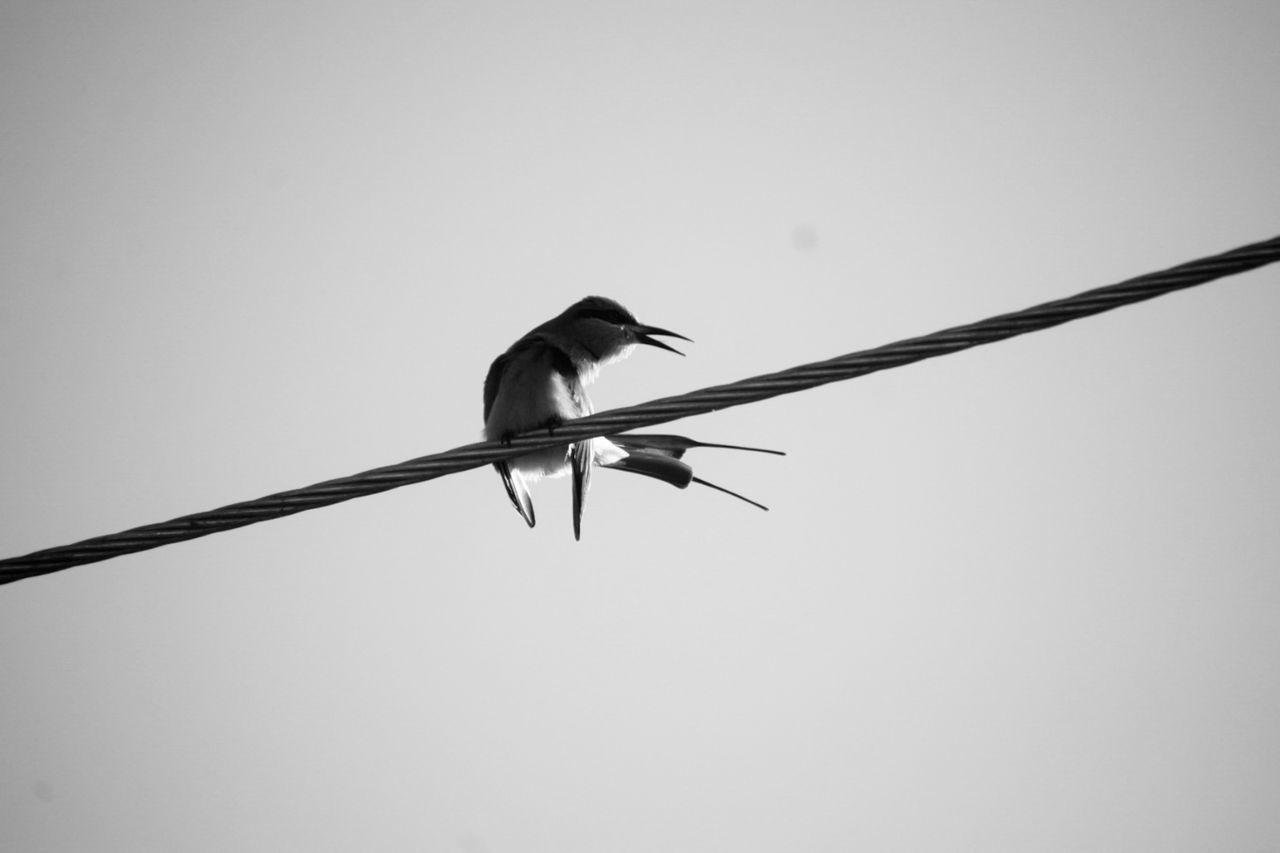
[1020, 598]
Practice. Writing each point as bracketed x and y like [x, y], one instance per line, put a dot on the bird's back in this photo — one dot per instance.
[531, 386]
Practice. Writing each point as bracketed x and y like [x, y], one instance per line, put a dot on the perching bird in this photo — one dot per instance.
[539, 383]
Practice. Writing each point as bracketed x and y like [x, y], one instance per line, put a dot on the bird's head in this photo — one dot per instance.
[602, 330]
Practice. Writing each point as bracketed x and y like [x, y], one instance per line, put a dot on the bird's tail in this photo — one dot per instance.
[674, 445]
[659, 456]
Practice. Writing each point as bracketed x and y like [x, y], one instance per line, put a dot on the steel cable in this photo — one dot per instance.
[658, 411]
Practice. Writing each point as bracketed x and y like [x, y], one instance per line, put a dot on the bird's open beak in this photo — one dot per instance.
[643, 332]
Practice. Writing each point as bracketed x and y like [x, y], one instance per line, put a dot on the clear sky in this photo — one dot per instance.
[1019, 598]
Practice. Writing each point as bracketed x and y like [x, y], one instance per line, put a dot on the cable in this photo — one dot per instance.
[659, 411]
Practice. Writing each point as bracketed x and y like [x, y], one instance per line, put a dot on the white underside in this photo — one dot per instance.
[554, 462]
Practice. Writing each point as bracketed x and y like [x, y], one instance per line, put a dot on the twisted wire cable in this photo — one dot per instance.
[658, 411]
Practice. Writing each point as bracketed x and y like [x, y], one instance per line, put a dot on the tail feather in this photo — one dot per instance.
[517, 490]
[580, 460]
[659, 456]
[675, 445]
[728, 492]
[655, 465]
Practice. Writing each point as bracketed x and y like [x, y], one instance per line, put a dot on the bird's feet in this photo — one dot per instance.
[551, 424]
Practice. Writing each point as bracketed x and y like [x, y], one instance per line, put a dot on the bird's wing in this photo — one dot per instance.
[516, 385]
[517, 491]
[492, 380]
[580, 459]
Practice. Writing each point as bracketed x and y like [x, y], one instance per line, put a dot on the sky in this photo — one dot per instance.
[1017, 598]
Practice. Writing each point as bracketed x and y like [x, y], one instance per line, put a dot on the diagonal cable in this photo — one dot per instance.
[658, 411]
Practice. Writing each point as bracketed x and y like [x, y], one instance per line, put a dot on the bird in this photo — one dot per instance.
[540, 382]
